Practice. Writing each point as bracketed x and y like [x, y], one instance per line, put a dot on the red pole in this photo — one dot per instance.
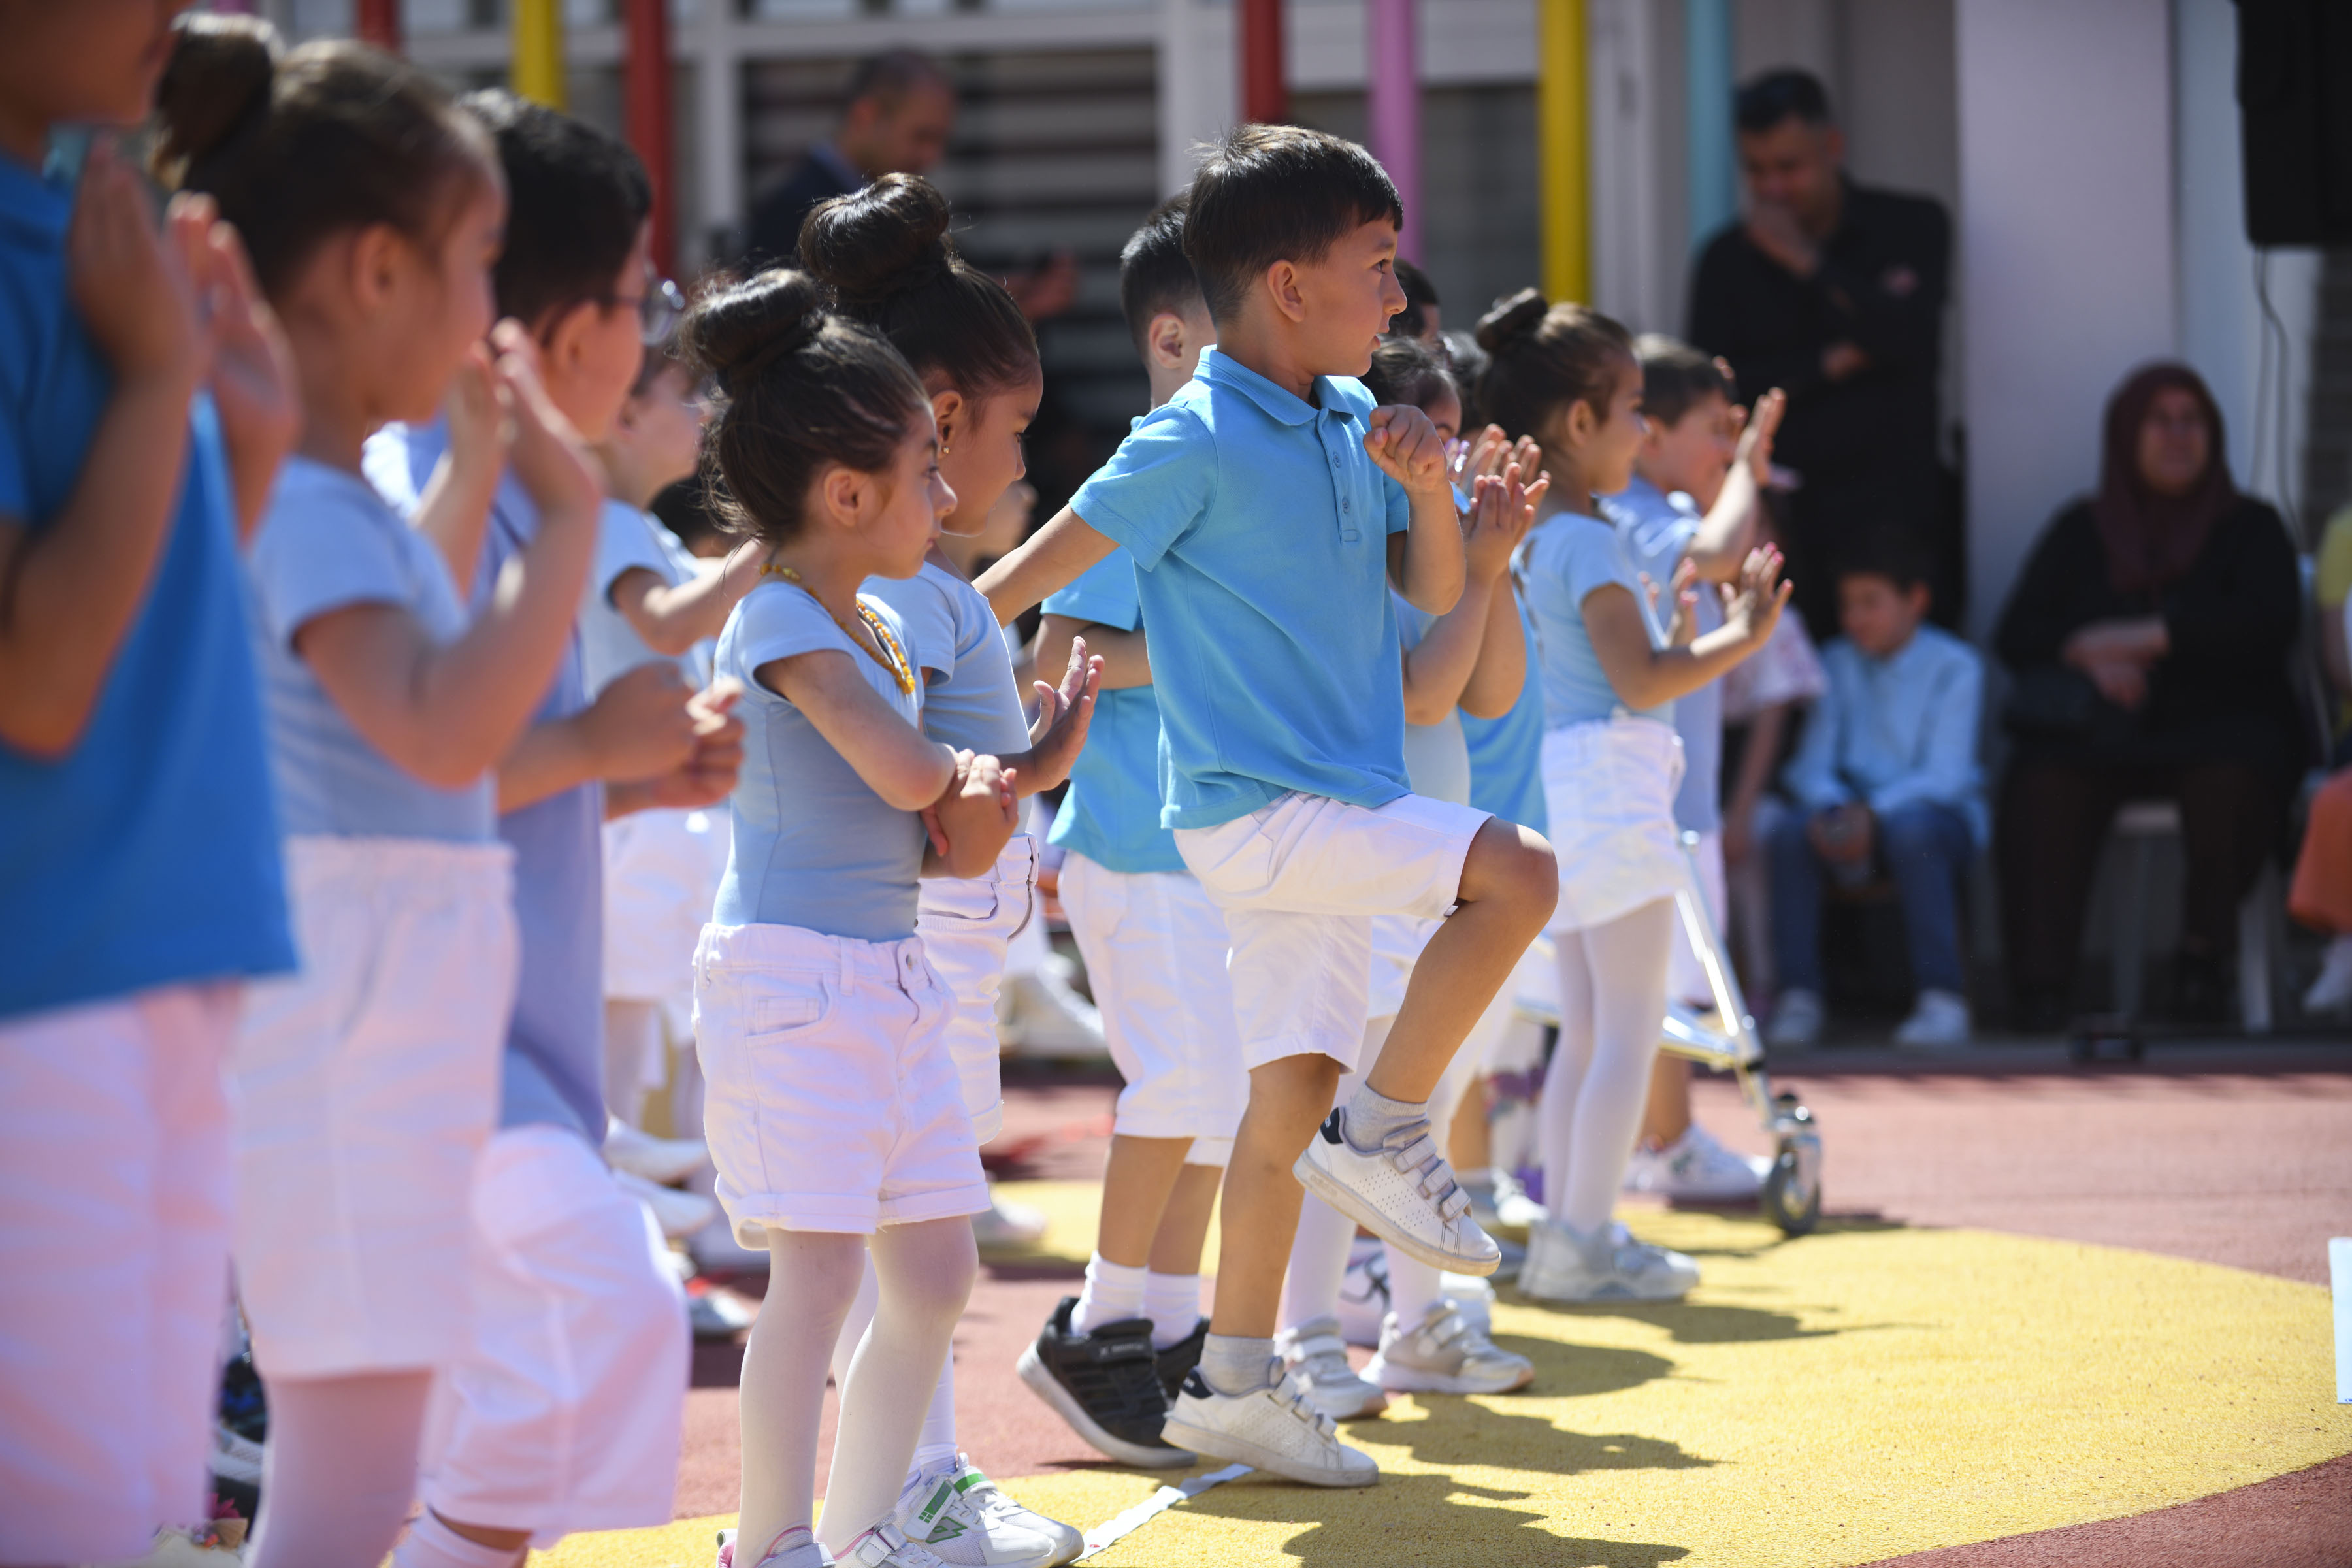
[646, 83]
[1266, 95]
[379, 23]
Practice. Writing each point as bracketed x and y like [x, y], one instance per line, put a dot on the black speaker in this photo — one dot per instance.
[2294, 104]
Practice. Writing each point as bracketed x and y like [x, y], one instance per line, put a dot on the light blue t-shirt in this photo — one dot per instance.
[147, 854]
[814, 846]
[1507, 753]
[1436, 757]
[628, 539]
[970, 701]
[1657, 529]
[1571, 556]
[554, 1071]
[1260, 528]
[1111, 813]
[329, 543]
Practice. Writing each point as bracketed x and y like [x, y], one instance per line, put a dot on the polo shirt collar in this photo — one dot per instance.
[33, 203]
[1280, 403]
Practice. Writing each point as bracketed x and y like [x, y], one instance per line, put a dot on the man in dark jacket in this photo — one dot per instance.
[1835, 292]
[900, 111]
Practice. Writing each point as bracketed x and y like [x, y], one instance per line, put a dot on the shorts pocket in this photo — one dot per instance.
[769, 1016]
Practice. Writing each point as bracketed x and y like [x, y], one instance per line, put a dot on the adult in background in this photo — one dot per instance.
[1834, 292]
[2147, 637]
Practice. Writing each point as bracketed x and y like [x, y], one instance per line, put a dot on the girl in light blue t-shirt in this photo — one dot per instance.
[1567, 377]
[833, 1115]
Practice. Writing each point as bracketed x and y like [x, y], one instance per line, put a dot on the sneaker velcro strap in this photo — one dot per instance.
[1314, 1345]
[1455, 1204]
[1295, 1401]
[1421, 1152]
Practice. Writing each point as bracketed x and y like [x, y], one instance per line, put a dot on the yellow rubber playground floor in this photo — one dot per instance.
[1865, 1392]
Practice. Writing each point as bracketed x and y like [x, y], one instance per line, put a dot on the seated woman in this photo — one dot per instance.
[2147, 636]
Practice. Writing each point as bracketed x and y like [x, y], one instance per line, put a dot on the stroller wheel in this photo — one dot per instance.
[1790, 1199]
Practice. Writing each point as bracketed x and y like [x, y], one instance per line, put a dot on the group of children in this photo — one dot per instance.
[342, 668]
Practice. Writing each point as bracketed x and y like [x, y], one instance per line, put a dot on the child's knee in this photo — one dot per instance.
[1514, 868]
[1288, 1091]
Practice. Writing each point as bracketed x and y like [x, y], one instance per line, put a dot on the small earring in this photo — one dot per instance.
[945, 449]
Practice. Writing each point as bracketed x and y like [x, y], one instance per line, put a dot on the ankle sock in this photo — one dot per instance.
[1371, 1118]
[433, 1544]
[1172, 1302]
[1112, 1294]
[1233, 1365]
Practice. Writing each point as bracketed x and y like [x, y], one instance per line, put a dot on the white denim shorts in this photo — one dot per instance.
[1155, 949]
[966, 923]
[361, 1090]
[1300, 881]
[1609, 785]
[832, 1102]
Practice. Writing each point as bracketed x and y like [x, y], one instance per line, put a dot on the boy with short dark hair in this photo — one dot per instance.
[1887, 776]
[1269, 506]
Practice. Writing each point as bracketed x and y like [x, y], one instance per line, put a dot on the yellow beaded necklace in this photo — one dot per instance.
[893, 657]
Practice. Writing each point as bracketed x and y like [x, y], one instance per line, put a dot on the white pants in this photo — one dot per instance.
[563, 1413]
[1686, 976]
[1155, 948]
[1609, 787]
[1300, 881]
[361, 1090]
[114, 1217]
[966, 925]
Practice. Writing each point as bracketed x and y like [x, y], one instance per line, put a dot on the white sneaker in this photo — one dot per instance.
[1607, 1266]
[884, 1547]
[1364, 1293]
[1402, 1192]
[1041, 1015]
[678, 1212]
[960, 1517]
[1514, 1210]
[663, 1162]
[1696, 1167]
[2332, 992]
[1008, 1224]
[1939, 1022]
[1445, 1352]
[805, 1553]
[1797, 1021]
[1317, 1358]
[1272, 1429]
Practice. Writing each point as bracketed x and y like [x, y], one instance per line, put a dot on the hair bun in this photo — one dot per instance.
[216, 81]
[876, 242]
[741, 330]
[1511, 320]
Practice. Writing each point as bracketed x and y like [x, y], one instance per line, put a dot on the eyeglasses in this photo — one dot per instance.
[658, 308]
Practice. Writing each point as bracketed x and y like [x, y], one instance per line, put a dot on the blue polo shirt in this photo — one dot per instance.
[147, 856]
[1259, 528]
[1111, 815]
[1507, 753]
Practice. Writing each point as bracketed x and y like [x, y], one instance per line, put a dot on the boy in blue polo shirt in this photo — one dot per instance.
[1269, 507]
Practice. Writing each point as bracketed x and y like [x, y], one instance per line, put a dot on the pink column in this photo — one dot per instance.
[1393, 78]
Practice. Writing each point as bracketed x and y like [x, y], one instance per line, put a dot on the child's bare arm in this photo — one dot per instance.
[70, 592]
[1644, 676]
[1050, 560]
[891, 755]
[454, 512]
[1427, 561]
[1125, 656]
[672, 617]
[1728, 531]
[253, 382]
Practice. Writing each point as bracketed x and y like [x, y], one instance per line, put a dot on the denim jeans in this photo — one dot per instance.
[1925, 847]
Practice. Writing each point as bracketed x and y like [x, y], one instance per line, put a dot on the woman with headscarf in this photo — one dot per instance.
[2147, 638]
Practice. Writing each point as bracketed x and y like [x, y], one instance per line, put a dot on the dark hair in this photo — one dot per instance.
[658, 359]
[1543, 359]
[800, 387]
[1420, 294]
[1406, 370]
[1468, 362]
[1676, 377]
[1275, 193]
[298, 146]
[892, 74]
[575, 201]
[886, 254]
[1154, 273]
[1892, 552]
[1763, 101]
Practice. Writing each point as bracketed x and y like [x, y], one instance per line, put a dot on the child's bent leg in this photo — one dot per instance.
[926, 1270]
[341, 1467]
[812, 1279]
[1289, 1097]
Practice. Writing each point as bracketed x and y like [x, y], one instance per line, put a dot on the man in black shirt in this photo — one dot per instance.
[900, 111]
[1834, 292]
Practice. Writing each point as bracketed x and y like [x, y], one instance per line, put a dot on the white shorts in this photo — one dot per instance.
[832, 1103]
[564, 1411]
[662, 870]
[1686, 976]
[1300, 881]
[966, 925]
[114, 1204]
[1609, 785]
[1155, 949]
[361, 1090]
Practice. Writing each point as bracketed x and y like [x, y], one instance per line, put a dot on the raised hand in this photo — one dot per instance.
[548, 454]
[1063, 716]
[643, 725]
[971, 821]
[1502, 510]
[476, 409]
[1481, 454]
[1753, 602]
[131, 286]
[1406, 447]
[1758, 428]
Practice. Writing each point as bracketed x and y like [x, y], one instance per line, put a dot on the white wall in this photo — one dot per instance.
[2065, 250]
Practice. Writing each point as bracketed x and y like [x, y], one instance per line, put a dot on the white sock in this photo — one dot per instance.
[936, 1444]
[1371, 1118]
[1172, 1302]
[1233, 1365]
[1113, 1293]
[433, 1544]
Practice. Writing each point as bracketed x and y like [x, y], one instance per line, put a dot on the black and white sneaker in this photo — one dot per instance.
[1179, 1358]
[1105, 1385]
[240, 1426]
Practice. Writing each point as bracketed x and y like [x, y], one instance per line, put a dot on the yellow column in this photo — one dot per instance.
[538, 71]
[1564, 186]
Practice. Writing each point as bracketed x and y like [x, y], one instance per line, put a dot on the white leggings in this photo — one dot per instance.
[1612, 999]
[924, 1274]
[340, 1469]
[937, 1438]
